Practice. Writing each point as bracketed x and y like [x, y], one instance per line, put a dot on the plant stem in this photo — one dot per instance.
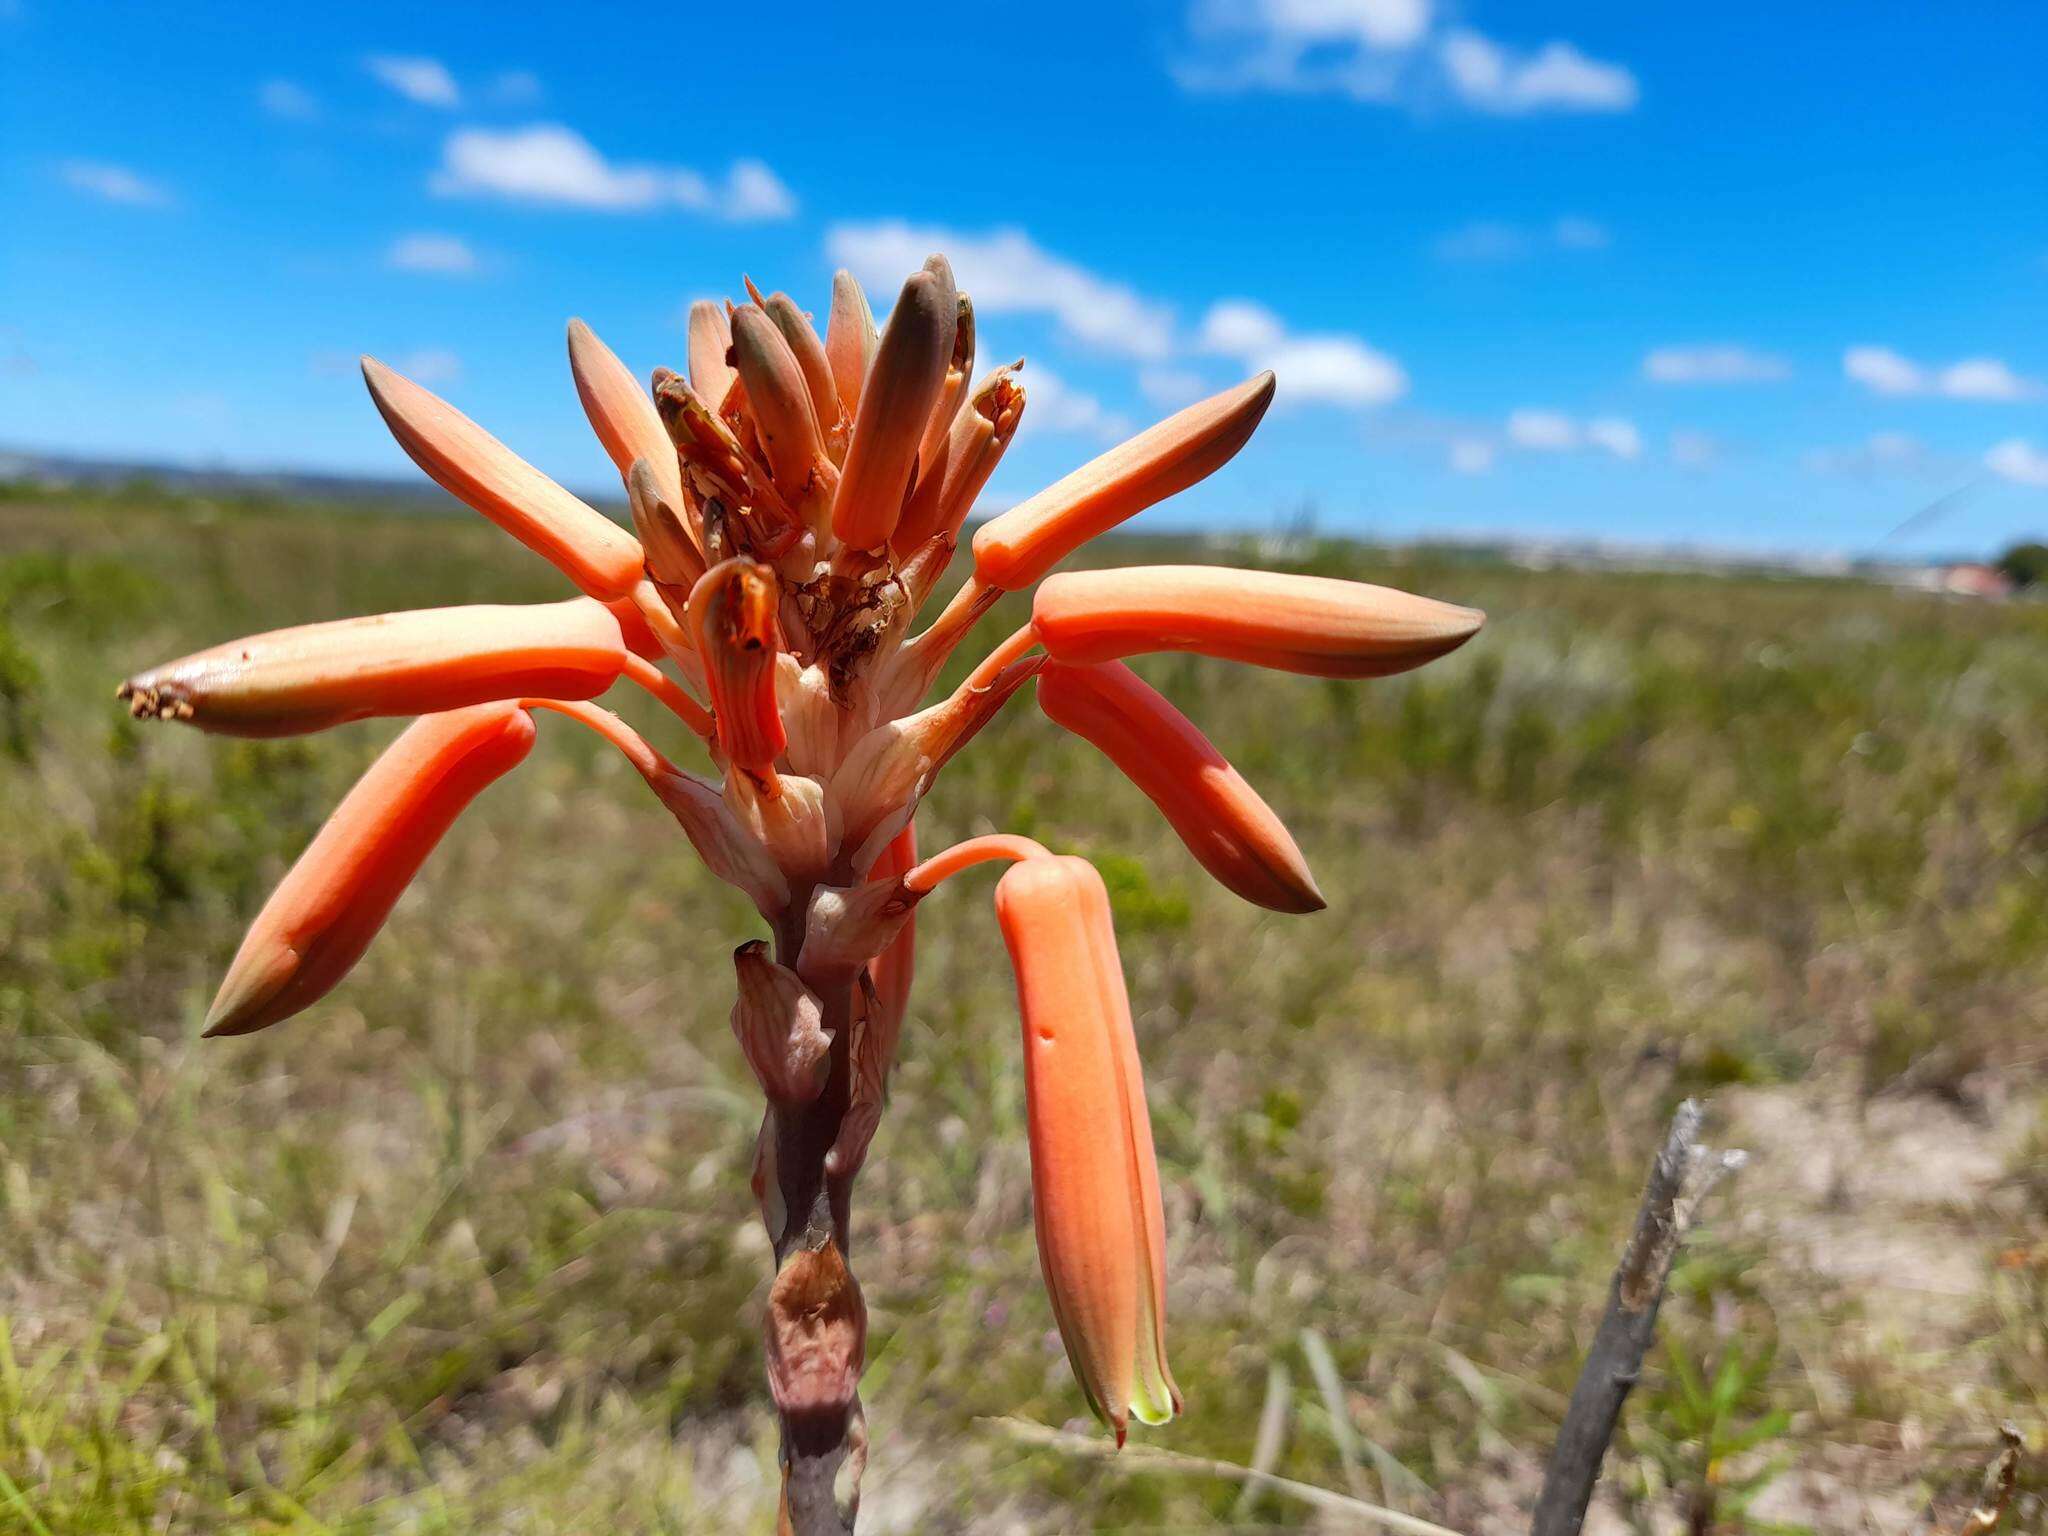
[817, 1323]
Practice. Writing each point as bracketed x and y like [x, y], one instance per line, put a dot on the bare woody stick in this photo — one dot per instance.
[2000, 1478]
[1680, 1179]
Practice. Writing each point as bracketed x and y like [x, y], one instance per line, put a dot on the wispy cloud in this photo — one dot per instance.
[516, 88]
[1489, 240]
[1473, 455]
[1008, 272]
[1555, 78]
[429, 365]
[288, 100]
[1880, 455]
[1694, 450]
[1053, 405]
[114, 184]
[421, 80]
[1714, 363]
[2019, 461]
[1885, 372]
[1541, 430]
[1388, 51]
[1313, 368]
[441, 255]
[550, 164]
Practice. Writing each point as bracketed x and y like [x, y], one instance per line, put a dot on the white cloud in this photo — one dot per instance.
[1323, 368]
[1492, 240]
[1572, 233]
[1376, 50]
[1718, 363]
[1984, 378]
[1172, 386]
[445, 255]
[1547, 431]
[548, 163]
[1239, 327]
[114, 184]
[1883, 370]
[1472, 455]
[1882, 453]
[1555, 78]
[1694, 450]
[429, 365]
[2019, 461]
[516, 88]
[1886, 372]
[1053, 405]
[425, 81]
[754, 193]
[1374, 23]
[1618, 436]
[287, 99]
[1542, 431]
[1007, 272]
[1355, 48]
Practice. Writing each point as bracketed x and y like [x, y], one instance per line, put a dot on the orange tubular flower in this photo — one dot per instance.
[896, 403]
[1311, 624]
[295, 680]
[732, 620]
[797, 501]
[1094, 1179]
[326, 910]
[849, 340]
[621, 413]
[1014, 550]
[474, 467]
[1220, 817]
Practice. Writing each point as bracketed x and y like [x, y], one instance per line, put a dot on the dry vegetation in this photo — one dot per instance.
[469, 1247]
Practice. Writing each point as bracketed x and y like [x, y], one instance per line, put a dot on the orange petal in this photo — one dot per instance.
[947, 486]
[474, 467]
[1311, 624]
[1094, 1179]
[672, 555]
[1015, 549]
[733, 623]
[622, 413]
[778, 401]
[809, 352]
[710, 339]
[938, 429]
[849, 340]
[1218, 815]
[305, 679]
[896, 401]
[325, 911]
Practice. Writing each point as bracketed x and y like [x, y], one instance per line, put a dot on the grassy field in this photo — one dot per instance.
[469, 1247]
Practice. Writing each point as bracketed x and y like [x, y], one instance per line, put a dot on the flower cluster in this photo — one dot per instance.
[795, 503]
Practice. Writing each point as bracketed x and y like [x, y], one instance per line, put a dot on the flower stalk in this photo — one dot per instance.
[795, 502]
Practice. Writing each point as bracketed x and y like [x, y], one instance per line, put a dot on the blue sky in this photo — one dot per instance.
[1765, 277]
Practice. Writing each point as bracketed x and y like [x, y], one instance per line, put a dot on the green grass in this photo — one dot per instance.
[468, 1247]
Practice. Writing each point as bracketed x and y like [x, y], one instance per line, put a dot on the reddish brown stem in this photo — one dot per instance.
[817, 1322]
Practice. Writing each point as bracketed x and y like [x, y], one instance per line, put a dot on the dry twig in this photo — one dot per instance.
[1680, 1179]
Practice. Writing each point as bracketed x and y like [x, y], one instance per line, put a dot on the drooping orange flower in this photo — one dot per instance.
[795, 501]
